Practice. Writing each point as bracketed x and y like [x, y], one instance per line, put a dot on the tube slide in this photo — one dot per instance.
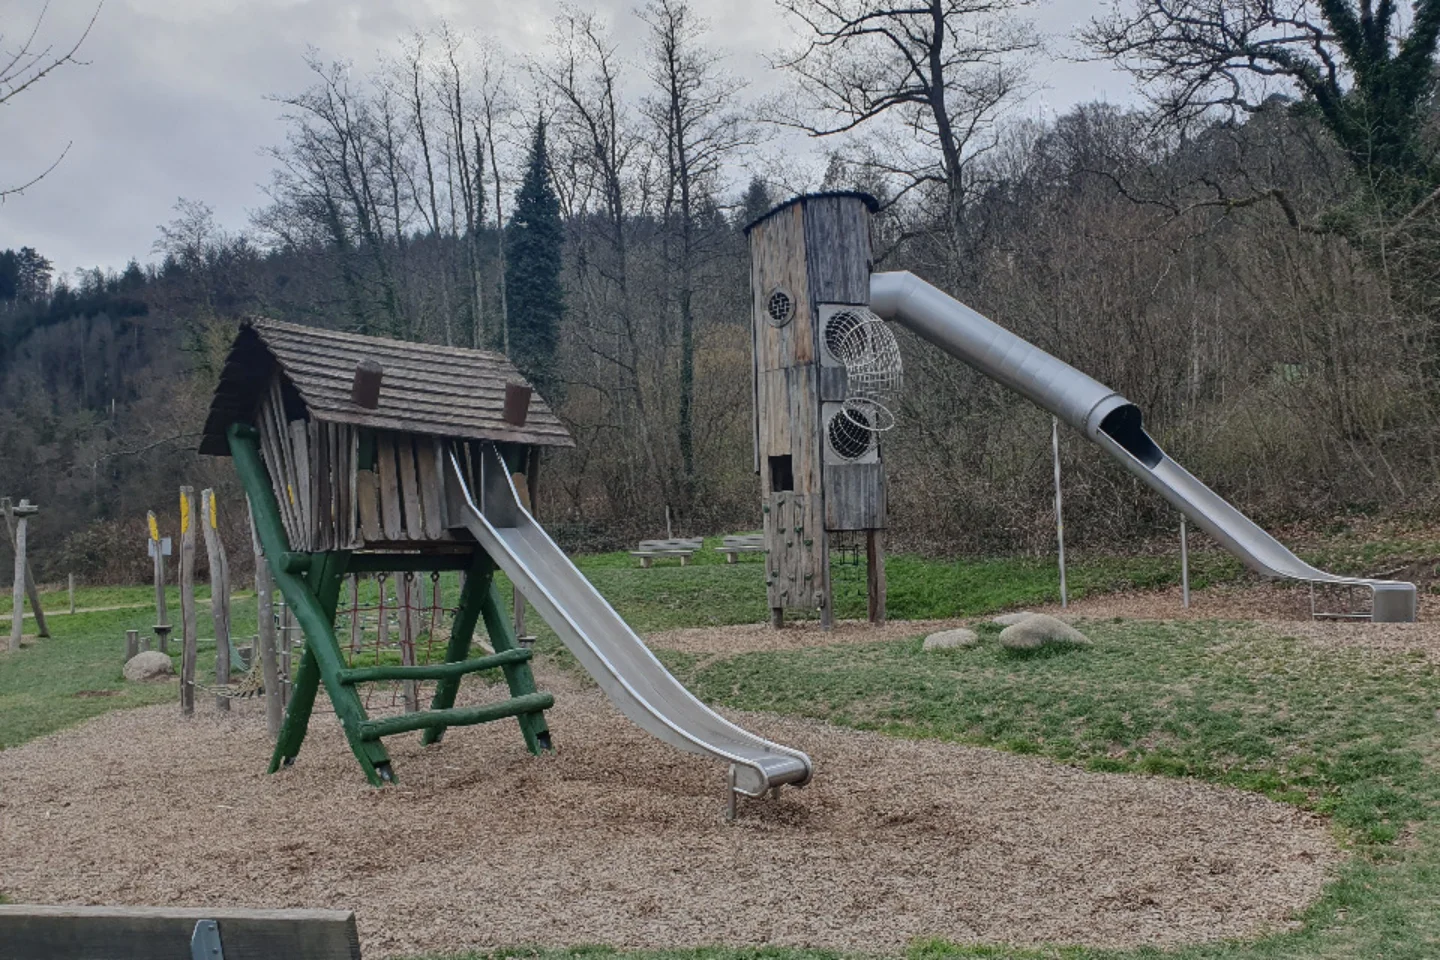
[628, 673]
[1113, 422]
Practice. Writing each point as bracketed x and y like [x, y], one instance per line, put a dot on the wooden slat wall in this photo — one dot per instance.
[837, 243]
[854, 496]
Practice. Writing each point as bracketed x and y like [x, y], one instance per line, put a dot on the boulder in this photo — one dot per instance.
[951, 639]
[1010, 619]
[1039, 630]
[148, 665]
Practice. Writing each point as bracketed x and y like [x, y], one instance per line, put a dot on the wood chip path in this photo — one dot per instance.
[619, 840]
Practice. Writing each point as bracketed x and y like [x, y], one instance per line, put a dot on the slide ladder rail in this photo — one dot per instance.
[1112, 422]
[627, 671]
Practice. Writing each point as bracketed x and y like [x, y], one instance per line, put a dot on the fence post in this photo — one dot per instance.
[187, 600]
[162, 615]
[22, 509]
[17, 612]
[1184, 563]
[219, 593]
[71, 578]
[1059, 508]
[132, 644]
[265, 634]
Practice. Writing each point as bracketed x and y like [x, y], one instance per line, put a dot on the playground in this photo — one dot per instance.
[786, 747]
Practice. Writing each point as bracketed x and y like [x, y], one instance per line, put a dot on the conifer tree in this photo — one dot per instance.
[533, 238]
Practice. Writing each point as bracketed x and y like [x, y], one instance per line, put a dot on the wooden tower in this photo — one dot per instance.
[810, 261]
[342, 442]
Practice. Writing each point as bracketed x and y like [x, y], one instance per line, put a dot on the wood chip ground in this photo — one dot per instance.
[618, 839]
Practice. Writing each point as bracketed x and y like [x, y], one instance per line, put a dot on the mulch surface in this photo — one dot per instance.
[618, 839]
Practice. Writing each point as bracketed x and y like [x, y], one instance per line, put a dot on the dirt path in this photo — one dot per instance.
[619, 840]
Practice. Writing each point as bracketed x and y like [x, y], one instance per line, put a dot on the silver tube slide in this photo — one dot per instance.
[1111, 421]
[627, 672]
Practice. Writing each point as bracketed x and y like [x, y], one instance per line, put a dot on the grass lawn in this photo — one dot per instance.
[1347, 732]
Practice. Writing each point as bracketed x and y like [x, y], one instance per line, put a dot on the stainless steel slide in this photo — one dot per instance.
[628, 673]
[1111, 421]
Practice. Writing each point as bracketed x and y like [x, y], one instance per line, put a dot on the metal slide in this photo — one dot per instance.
[628, 673]
[1111, 421]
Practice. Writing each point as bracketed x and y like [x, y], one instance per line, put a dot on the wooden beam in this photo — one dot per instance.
[188, 618]
[163, 933]
[219, 592]
[875, 574]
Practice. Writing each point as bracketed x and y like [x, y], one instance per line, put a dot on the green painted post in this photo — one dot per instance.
[518, 675]
[462, 633]
[324, 576]
[322, 651]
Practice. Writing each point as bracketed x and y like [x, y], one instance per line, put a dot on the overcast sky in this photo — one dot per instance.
[171, 102]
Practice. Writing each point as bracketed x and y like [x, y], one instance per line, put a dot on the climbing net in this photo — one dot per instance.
[384, 619]
[863, 343]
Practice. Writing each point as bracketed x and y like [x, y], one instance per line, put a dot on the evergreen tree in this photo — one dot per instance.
[533, 238]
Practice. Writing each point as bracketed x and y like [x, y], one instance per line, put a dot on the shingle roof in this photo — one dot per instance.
[426, 388]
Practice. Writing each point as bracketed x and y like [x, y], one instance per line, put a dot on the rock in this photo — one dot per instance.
[1010, 619]
[1039, 630]
[148, 665]
[951, 639]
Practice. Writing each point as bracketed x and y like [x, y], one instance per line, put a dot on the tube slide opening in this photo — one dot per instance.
[1124, 426]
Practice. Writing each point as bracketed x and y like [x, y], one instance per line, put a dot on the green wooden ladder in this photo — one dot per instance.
[311, 584]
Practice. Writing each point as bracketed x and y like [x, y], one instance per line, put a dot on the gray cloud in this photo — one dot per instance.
[172, 100]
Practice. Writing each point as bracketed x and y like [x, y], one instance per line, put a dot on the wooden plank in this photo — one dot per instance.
[390, 513]
[366, 494]
[274, 464]
[163, 933]
[188, 616]
[303, 490]
[854, 496]
[777, 257]
[409, 485]
[219, 591]
[321, 512]
[344, 487]
[837, 249]
[288, 474]
[432, 493]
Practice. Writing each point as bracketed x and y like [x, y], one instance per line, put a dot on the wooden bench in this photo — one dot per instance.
[683, 547]
[732, 547]
[169, 933]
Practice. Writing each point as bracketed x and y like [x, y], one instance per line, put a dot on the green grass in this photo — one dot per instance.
[1347, 732]
[76, 674]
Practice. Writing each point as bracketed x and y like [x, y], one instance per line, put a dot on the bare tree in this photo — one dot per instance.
[932, 75]
[26, 65]
[694, 113]
[1370, 78]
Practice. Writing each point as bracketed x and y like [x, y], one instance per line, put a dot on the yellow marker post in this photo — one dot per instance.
[213, 524]
[184, 514]
[154, 527]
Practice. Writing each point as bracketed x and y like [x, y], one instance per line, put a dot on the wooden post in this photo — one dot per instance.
[71, 578]
[132, 644]
[875, 574]
[22, 509]
[405, 595]
[357, 628]
[187, 600]
[219, 592]
[17, 612]
[265, 634]
[287, 635]
[162, 616]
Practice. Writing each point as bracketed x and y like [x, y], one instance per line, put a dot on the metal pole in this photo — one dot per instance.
[1059, 508]
[1184, 563]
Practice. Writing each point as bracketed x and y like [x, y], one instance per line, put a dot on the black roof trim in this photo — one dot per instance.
[870, 203]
